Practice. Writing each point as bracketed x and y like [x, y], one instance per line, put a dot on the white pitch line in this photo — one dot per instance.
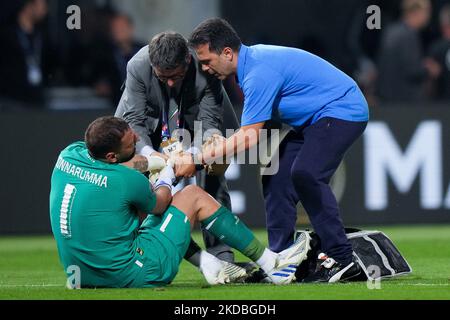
[184, 283]
[428, 284]
[421, 284]
[30, 285]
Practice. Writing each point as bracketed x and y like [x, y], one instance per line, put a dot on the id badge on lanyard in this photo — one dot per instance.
[32, 51]
[169, 144]
[34, 72]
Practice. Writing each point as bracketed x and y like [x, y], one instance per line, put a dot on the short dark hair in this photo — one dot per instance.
[168, 50]
[20, 5]
[104, 135]
[216, 32]
[409, 6]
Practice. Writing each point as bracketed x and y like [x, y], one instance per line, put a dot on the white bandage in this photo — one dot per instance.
[155, 163]
[193, 150]
[166, 178]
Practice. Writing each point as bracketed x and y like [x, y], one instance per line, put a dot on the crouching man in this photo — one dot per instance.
[96, 202]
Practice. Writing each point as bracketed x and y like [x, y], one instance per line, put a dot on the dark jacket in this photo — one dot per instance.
[401, 71]
[203, 99]
[14, 81]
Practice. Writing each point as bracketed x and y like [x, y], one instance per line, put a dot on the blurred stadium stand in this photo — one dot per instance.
[334, 31]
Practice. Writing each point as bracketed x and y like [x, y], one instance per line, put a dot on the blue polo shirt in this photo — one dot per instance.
[295, 86]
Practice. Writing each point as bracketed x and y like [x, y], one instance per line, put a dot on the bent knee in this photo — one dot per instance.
[191, 193]
[192, 189]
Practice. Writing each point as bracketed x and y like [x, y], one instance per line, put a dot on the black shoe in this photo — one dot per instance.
[258, 276]
[329, 270]
[255, 274]
[248, 266]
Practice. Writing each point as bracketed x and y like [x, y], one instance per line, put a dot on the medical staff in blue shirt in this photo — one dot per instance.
[327, 112]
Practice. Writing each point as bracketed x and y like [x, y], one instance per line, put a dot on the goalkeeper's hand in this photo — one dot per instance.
[184, 164]
[215, 169]
[166, 178]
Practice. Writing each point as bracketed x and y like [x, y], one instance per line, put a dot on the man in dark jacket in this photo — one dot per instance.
[21, 63]
[166, 90]
[402, 68]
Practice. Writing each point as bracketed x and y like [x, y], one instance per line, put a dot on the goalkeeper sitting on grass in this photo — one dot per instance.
[95, 204]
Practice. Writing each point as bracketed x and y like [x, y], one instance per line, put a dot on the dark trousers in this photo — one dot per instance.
[308, 158]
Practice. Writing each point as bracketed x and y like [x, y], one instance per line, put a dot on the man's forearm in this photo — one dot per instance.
[138, 162]
[244, 139]
[163, 200]
[154, 162]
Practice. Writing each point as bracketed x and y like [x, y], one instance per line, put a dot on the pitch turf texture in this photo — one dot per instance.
[29, 269]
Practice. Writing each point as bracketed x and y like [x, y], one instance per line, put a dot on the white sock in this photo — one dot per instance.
[210, 267]
[208, 261]
[267, 260]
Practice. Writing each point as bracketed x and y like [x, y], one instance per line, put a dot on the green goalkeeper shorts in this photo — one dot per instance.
[162, 243]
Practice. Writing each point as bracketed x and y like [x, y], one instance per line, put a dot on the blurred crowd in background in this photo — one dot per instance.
[43, 62]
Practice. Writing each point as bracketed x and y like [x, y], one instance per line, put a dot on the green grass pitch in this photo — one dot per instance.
[29, 269]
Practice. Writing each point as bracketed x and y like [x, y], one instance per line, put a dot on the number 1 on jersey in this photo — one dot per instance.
[66, 210]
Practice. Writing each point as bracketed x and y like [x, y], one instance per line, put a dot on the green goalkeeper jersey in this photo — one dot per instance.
[93, 213]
